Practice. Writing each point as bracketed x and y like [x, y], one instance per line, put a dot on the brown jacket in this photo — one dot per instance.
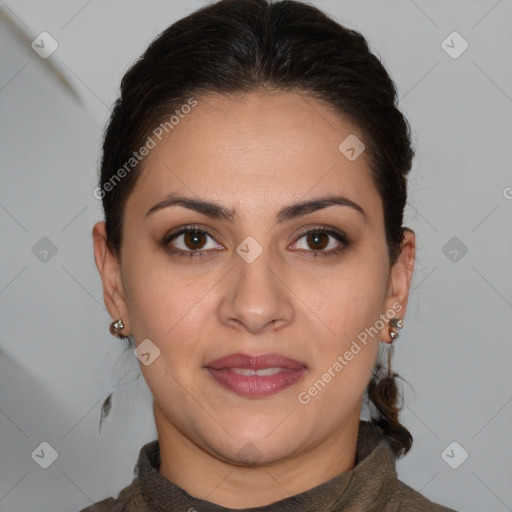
[371, 486]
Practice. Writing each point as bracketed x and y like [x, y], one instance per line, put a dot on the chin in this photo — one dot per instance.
[255, 453]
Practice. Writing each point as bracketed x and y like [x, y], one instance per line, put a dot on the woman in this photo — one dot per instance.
[253, 181]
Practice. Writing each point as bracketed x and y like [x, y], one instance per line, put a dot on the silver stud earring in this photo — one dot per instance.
[115, 329]
[395, 323]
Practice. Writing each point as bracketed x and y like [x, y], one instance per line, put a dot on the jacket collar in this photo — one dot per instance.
[367, 486]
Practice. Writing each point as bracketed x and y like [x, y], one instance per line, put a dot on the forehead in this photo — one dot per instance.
[254, 150]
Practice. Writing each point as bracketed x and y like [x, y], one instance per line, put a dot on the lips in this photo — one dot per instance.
[256, 376]
[254, 362]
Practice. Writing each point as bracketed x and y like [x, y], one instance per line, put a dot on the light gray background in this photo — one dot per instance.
[57, 360]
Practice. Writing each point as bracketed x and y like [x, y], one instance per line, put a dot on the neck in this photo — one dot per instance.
[210, 478]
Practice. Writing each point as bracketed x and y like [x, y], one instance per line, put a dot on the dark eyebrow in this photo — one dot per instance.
[208, 208]
[216, 211]
[305, 207]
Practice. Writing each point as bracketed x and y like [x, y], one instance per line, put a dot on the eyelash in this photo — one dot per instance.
[338, 235]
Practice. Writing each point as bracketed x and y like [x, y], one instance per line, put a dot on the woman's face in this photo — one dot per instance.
[251, 280]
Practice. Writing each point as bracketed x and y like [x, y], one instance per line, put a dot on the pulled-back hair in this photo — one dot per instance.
[243, 46]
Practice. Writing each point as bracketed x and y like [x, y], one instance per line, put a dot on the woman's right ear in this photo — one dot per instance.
[110, 271]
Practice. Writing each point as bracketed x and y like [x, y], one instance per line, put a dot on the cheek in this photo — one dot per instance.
[350, 303]
[347, 301]
[344, 355]
[154, 289]
[166, 308]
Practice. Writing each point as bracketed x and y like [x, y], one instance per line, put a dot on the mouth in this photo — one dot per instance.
[256, 376]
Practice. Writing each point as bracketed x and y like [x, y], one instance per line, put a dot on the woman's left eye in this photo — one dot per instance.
[322, 243]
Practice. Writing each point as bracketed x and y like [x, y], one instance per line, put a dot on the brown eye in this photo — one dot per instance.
[191, 242]
[321, 242]
[318, 240]
[194, 240]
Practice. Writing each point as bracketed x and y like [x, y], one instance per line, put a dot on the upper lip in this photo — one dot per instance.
[254, 362]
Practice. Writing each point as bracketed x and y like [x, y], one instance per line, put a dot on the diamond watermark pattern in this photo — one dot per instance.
[454, 45]
[146, 352]
[44, 45]
[249, 249]
[44, 455]
[454, 455]
[44, 250]
[249, 453]
[352, 147]
[454, 249]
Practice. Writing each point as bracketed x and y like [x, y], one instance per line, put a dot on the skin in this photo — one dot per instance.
[254, 153]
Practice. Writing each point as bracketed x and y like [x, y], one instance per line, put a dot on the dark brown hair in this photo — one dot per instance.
[242, 46]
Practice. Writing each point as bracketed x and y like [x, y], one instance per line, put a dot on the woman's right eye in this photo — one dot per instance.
[189, 242]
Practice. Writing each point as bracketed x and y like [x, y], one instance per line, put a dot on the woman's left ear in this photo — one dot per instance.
[400, 279]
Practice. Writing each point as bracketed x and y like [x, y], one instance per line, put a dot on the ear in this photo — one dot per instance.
[400, 280]
[110, 271]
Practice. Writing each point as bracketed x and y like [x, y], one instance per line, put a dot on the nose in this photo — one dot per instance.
[256, 297]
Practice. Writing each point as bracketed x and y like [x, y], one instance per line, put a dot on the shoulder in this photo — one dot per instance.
[131, 498]
[128, 500]
[409, 500]
[377, 468]
[106, 505]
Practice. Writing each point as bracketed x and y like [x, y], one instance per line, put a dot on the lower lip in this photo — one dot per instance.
[254, 385]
